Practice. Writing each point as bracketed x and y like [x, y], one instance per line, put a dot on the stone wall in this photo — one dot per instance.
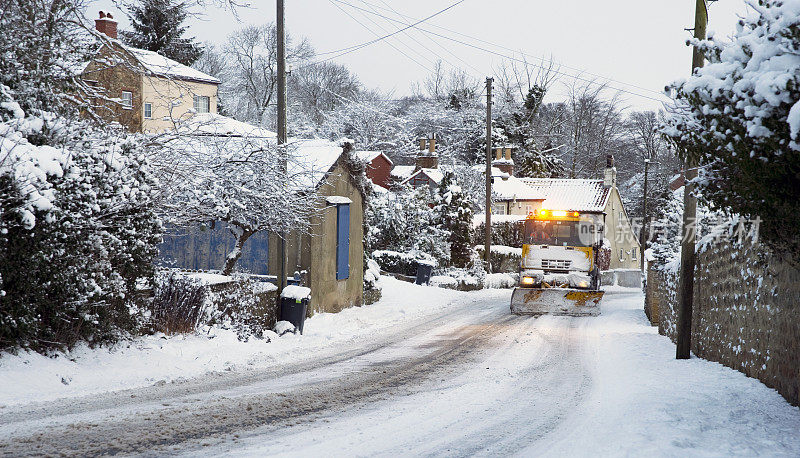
[746, 313]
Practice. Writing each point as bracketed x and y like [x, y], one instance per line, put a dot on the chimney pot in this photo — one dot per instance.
[432, 145]
[106, 25]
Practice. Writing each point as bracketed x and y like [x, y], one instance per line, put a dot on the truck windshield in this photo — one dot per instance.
[559, 233]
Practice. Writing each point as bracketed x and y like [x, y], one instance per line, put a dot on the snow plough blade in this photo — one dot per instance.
[555, 301]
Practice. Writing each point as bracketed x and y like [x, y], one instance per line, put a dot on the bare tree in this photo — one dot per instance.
[252, 53]
[322, 88]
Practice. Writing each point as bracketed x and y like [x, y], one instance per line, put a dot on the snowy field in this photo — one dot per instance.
[425, 371]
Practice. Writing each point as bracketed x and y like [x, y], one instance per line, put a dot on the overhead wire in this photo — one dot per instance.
[407, 33]
[347, 50]
[378, 35]
[560, 72]
[540, 58]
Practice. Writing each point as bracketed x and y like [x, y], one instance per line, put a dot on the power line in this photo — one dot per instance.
[542, 59]
[367, 43]
[378, 35]
[569, 75]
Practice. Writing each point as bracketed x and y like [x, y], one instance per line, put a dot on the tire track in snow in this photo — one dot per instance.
[138, 428]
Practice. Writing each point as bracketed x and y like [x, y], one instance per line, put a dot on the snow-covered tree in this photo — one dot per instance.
[454, 215]
[158, 26]
[739, 116]
[237, 180]
[78, 229]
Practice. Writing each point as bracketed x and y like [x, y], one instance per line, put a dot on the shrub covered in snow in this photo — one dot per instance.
[507, 233]
[401, 263]
[404, 221]
[740, 116]
[78, 230]
[187, 302]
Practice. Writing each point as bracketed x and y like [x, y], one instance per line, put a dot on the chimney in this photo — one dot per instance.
[106, 25]
[503, 160]
[610, 177]
[427, 157]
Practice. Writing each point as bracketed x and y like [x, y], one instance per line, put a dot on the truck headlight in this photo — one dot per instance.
[527, 281]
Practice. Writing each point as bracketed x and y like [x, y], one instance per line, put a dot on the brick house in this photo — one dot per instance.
[142, 90]
[379, 167]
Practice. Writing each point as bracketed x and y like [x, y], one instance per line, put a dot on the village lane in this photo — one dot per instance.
[221, 407]
[471, 379]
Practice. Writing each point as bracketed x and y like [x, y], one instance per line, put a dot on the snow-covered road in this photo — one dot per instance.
[463, 379]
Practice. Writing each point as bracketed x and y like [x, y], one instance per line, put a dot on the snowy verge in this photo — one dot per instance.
[28, 376]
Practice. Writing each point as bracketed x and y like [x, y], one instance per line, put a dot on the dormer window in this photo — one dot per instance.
[127, 100]
[201, 104]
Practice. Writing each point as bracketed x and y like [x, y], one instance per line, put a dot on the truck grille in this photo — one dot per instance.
[556, 264]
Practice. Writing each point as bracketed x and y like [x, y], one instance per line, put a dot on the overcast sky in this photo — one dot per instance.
[638, 43]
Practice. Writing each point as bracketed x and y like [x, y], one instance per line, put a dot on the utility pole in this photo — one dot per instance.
[488, 244]
[281, 282]
[686, 289]
[644, 233]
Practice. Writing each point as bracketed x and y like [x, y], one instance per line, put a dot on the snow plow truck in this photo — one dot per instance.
[559, 273]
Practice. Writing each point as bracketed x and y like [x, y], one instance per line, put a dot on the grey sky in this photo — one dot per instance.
[633, 41]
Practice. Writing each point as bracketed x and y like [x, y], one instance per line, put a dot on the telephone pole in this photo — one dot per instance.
[281, 281]
[488, 234]
[686, 288]
[644, 233]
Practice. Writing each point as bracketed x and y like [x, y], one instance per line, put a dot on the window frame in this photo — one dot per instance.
[499, 205]
[622, 254]
[127, 103]
[633, 254]
[198, 107]
[148, 106]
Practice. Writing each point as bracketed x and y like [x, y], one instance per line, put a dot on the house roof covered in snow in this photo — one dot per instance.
[403, 171]
[369, 156]
[571, 194]
[216, 124]
[434, 175]
[159, 65]
[506, 187]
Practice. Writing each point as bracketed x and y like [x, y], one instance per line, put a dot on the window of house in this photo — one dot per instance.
[201, 104]
[633, 253]
[342, 241]
[621, 216]
[148, 110]
[499, 209]
[621, 254]
[127, 100]
[528, 209]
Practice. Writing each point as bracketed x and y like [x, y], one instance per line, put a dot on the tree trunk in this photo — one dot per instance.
[233, 256]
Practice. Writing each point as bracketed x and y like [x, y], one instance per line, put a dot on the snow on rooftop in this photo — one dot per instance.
[512, 188]
[313, 159]
[216, 124]
[403, 171]
[369, 156]
[160, 65]
[571, 194]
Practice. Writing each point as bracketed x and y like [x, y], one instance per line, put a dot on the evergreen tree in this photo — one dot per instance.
[157, 26]
[739, 117]
[454, 216]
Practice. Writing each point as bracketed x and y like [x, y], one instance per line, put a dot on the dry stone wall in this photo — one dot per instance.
[746, 312]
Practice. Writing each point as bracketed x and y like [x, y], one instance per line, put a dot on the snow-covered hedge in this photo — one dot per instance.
[740, 117]
[78, 231]
[194, 302]
[401, 263]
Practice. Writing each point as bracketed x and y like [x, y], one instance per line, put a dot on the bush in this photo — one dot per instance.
[739, 117]
[78, 230]
[401, 263]
[185, 303]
